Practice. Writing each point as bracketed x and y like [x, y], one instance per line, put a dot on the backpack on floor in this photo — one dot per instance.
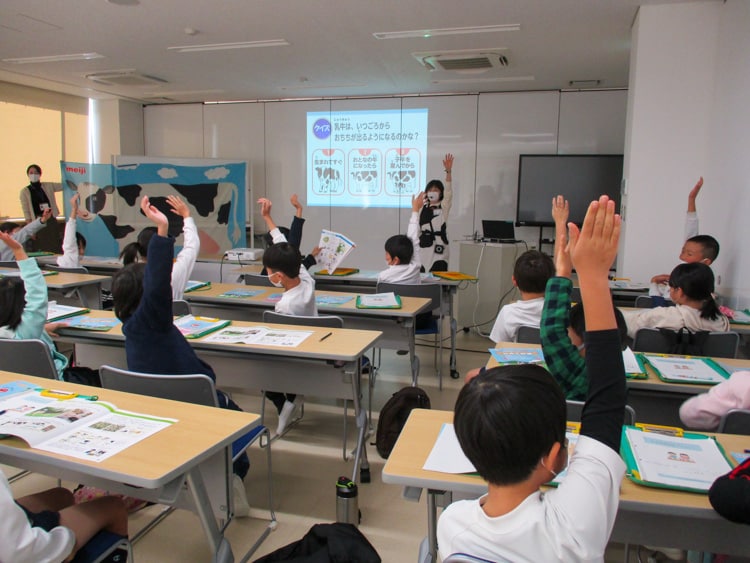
[393, 416]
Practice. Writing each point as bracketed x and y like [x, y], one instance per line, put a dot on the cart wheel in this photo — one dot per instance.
[455, 374]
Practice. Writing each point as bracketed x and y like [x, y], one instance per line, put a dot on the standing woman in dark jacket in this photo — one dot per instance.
[35, 198]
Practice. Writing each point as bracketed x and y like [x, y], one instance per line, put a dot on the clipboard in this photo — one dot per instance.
[338, 272]
[361, 303]
[454, 276]
[194, 285]
[195, 327]
[715, 366]
[57, 312]
[632, 472]
[643, 373]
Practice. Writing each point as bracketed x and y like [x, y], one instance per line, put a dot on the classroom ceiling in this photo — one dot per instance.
[331, 50]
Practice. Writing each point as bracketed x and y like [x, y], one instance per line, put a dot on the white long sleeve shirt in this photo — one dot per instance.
[300, 300]
[185, 261]
[406, 273]
[69, 258]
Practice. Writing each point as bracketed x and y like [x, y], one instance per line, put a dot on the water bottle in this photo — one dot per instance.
[347, 504]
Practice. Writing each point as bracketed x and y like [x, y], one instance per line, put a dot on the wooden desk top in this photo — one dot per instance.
[65, 280]
[410, 305]
[652, 382]
[404, 467]
[344, 343]
[157, 460]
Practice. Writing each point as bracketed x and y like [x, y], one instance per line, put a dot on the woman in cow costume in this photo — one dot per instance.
[433, 238]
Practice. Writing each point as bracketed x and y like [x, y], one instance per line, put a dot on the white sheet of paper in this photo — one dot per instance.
[379, 300]
[676, 461]
[631, 363]
[446, 455]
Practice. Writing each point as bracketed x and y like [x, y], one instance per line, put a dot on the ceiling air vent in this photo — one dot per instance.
[467, 61]
[124, 78]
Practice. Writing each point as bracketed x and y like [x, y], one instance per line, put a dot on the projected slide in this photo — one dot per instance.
[366, 158]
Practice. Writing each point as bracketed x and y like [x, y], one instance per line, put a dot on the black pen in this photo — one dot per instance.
[326, 336]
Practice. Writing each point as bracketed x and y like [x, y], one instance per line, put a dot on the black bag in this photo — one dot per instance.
[685, 342]
[82, 375]
[393, 416]
[327, 543]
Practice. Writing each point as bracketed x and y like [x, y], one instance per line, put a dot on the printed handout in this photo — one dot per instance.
[259, 335]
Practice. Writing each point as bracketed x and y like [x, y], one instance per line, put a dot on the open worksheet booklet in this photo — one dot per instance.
[260, 335]
[78, 427]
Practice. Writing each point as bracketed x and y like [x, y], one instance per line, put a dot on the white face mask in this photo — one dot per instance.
[275, 283]
[433, 196]
[34, 177]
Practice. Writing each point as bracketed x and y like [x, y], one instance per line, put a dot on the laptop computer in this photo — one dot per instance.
[498, 231]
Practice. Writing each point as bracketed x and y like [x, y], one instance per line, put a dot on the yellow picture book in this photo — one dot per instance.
[338, 272]
[454, 276]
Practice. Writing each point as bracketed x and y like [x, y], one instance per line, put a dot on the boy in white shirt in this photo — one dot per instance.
[401, 251]
[530, 274]
[74, 243]
[283, 262]
[510, 422]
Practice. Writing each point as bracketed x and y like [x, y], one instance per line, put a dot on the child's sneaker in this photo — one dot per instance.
[287, 414]
[241, 506]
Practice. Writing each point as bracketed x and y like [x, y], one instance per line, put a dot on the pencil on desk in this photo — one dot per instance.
[325, 336]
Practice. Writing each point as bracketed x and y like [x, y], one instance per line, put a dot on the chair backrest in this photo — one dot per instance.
[180, 307]
[431, 291]
[735, 421]
[716, 345]
[56, 268]
[27, 357]
[529, 335]
[197, 388]
[575, 409]
[644, 302]
[330, 321]
[257, 279]
[9, 264]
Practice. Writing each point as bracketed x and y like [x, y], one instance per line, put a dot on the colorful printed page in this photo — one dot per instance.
[242, 293]
[85, 322]
[334, 247]
[518, 355]
[673, 461]
[379, 301]
[683, 369]
[274, 297]
[83, 429]
[13, 387]
[57, 312]
[260, 335]
[333, 299]
[194, 327]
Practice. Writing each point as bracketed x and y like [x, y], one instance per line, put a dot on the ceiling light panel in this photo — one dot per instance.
[229, 46]
[426, 33]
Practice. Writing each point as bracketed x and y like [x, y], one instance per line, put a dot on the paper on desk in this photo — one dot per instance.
[260, 335]
[692, 370]
[631, 363]
[446, 455]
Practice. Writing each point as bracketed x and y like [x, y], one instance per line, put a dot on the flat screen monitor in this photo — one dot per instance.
[580, 178]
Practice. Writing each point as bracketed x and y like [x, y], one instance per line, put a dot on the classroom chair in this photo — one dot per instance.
[257, 279]
[644, 302]
[529, 335]
[434, 293]
[196, 389]
[575, 409]
[27, 357]
[8, 264]
[105, 546]
[735, 421]
[717, 345]
[180, 307]
[330, 321]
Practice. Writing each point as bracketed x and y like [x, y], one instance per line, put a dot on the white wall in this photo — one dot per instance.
[687, 117]
[486, 133]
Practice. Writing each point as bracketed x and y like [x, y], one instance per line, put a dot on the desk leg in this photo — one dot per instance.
[410, 325]
[361, 464]
[222, 551]
[90, 295]
[452, 290]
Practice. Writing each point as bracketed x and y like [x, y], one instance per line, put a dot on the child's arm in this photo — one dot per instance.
[563, 359]
[691, 219]
[592, 250]
[412, 231]
[33, 228]
[704, 411]
[156, 304]
[183, 265]
[23, 543]
[298, 222]
[311, 259]
[35, 311]
[265, 212]
[69, 258]
[448, 191]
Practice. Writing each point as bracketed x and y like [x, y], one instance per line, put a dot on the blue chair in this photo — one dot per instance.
[105, 546]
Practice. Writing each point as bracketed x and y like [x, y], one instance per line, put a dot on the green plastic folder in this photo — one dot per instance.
[634, 474]
[714, 366]
[370, 302]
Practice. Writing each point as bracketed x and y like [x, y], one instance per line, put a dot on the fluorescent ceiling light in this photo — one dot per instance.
[447, 31]
[497, 79]
[227, 46]
[54, 58]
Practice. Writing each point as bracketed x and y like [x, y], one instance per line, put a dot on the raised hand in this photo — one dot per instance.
[593, 248]
[560, 210]
[178, 206]
[448, 163]
[18, 252]
[418, 201]
[156, 216]
[694, 194]
[46, 215]
[294, 200]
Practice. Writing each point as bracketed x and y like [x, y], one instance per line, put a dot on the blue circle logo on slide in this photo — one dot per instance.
[322, 128]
